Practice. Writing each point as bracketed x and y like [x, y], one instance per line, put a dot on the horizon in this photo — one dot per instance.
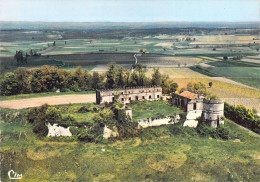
[131, 22]
[129, 11]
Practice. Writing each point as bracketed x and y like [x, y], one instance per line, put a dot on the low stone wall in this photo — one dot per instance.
[55, 130]
[147, 122]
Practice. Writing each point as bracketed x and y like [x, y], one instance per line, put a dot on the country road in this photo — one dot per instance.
[52, 100]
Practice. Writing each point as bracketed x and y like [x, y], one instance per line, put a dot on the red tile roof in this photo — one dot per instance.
[189, 95]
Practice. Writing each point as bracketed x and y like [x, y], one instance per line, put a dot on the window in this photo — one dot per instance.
[136, 97]
[150, 96]
[158, 96]
[122, 99]
[129, 98]
[194, 106]
[143, 97]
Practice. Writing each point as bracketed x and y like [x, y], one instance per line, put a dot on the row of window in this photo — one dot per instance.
[136, 98]
[141, 91]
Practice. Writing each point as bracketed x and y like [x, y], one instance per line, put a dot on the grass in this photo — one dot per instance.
[46, 94]
[163, 153]
[148, 109]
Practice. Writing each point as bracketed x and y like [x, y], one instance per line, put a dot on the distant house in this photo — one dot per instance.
[129, 93]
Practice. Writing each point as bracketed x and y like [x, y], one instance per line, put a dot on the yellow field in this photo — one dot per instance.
[222, 39]
[165, 44]
[222, 89]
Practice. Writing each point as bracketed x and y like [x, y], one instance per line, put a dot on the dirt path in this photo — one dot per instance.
[53, 100]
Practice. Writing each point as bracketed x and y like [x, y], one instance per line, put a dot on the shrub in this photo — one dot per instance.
[222, 132]
[41, 129]
[83, 109]
[75, 88]
[52, 115]
[88, 137]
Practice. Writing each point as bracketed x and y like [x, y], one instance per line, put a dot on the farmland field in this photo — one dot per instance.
[240, 71]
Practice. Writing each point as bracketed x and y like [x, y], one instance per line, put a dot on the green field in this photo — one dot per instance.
[243, 72]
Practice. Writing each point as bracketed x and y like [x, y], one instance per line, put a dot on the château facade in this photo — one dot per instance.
[129, 94]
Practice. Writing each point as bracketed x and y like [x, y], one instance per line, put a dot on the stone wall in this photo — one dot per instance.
[128, 94]
[147, 122]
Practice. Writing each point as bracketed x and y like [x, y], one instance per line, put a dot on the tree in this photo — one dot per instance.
[9, 84]
[156, 77]
[95, 80]
[210, 84]
[141, 69]
[110, 74]
[196, 87]
[134, 79]
[127, 74]
[174, 86]
[119, 77]
[20, 58]
[22, 76]
[35, 80]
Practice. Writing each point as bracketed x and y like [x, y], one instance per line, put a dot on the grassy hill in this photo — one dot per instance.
[166, 153]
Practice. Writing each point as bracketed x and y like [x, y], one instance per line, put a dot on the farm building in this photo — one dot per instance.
[129, 93]
[197, 106]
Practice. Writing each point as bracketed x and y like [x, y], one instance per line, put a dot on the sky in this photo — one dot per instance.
[129, 10]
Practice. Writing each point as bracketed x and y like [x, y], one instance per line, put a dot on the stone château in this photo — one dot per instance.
[129, 93]
[198, 106]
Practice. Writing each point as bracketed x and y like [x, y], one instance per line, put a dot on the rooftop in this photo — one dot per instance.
[189, 95]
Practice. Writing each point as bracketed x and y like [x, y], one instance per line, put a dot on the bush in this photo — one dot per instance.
[88, 137]
[41, 129]
[83, 109]
[222, 132]
[52, 115]
[32, 114]
[75, 88]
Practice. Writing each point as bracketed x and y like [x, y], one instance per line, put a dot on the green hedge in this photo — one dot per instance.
[243, 116]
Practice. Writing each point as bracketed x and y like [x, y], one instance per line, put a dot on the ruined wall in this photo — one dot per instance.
[110, 132]
[128, 94]
[147, 122]
[55, 130]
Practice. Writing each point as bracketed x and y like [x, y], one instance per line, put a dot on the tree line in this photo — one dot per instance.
[51, 79]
